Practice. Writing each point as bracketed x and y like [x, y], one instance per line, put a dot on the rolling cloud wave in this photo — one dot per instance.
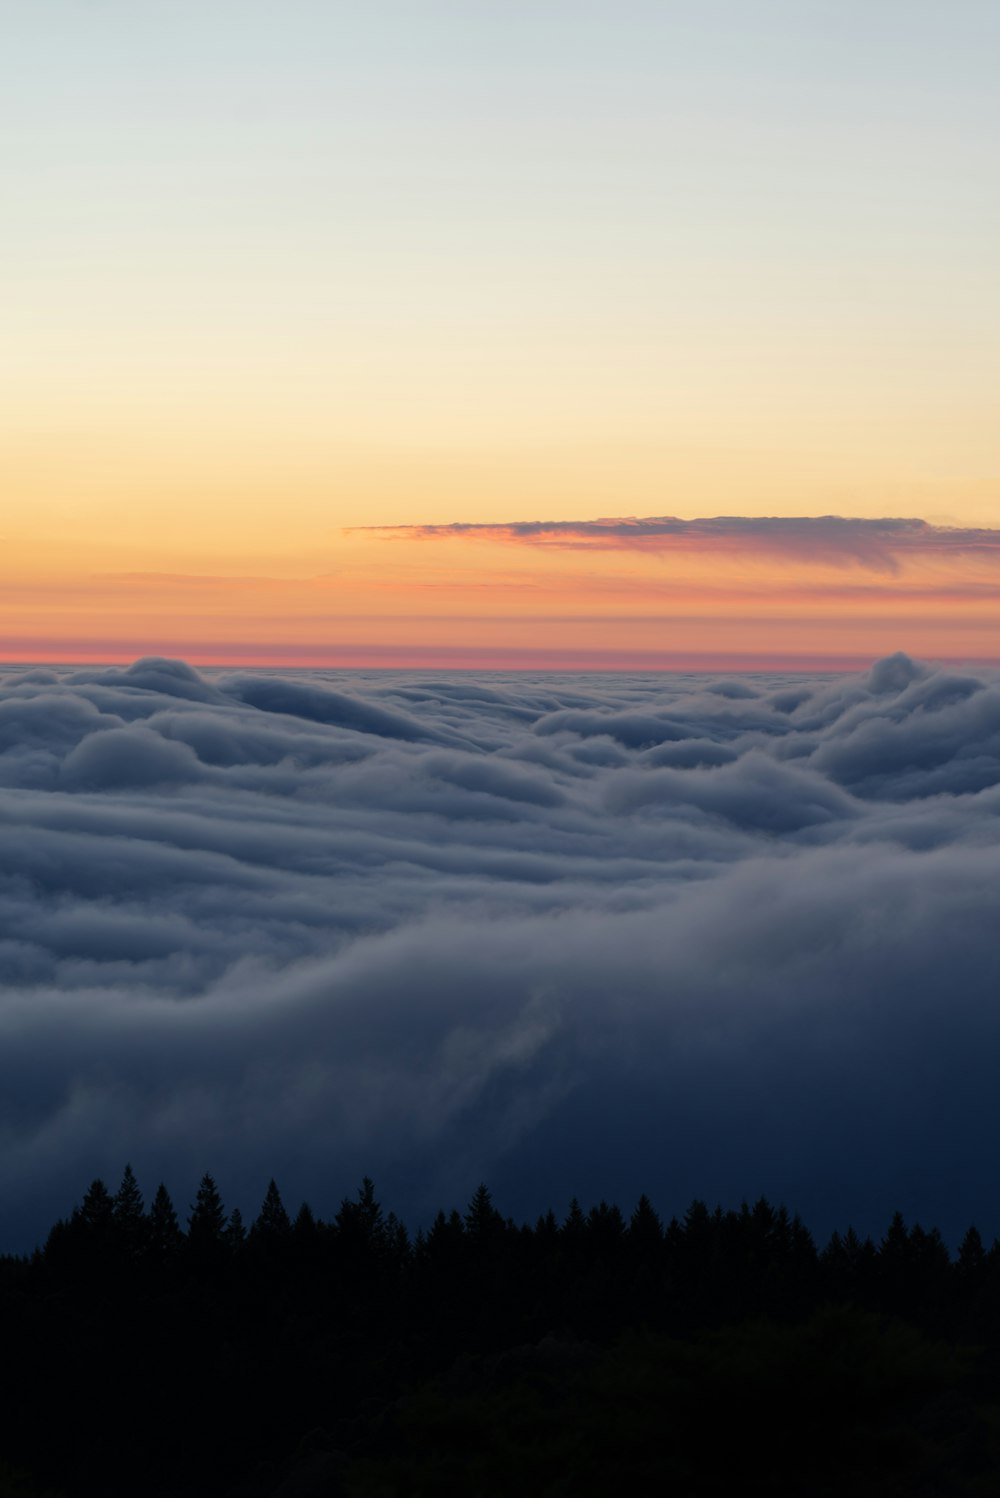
[604, 935]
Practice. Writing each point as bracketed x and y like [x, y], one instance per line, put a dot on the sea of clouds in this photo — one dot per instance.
[568, 934]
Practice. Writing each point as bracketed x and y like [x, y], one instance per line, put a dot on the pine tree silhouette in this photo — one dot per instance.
[206, 1241]
[305, 1224]
[483, 1223]
[442, 1247]
[895, 1246]
[165, 1236]
[96, 1211]
[129, 1214]
[360, 1222]
[397, 1240]
[368, 1212]
[235, 1233]
[574, 1229]
[547, 1228]
[89, 1239]
[605, 1228]
[645, 1230]
[273, 1221]
[971, 1255]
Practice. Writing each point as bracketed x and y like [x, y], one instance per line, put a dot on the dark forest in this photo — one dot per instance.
[715, 1353]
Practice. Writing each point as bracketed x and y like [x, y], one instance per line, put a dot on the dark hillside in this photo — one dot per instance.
[299, 1356]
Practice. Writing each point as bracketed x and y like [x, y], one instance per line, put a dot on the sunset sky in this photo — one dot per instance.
[332, 330]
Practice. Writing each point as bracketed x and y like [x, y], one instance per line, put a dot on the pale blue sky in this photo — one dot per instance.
[716, 225]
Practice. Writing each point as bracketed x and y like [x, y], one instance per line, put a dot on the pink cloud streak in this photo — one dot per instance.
[878, 545]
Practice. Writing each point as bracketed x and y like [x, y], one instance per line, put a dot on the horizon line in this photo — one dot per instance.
[513, 662]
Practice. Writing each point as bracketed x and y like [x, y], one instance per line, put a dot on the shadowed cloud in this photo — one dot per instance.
[679, 934]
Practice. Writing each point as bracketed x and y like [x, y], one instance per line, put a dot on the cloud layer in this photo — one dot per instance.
[837, 540]
[569, 934]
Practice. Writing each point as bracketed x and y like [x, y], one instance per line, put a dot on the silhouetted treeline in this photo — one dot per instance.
[164, 1353]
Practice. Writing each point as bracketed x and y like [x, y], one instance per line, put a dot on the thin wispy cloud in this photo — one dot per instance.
[876, 544]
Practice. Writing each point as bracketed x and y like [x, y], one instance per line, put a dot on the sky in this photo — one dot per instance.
[592, 934]
[309, 310]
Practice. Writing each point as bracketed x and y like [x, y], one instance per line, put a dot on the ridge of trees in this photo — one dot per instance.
[107, 1232]
[219, 1345]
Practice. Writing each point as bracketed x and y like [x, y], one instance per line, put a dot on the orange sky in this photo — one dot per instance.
[492, 600]
[277, 273]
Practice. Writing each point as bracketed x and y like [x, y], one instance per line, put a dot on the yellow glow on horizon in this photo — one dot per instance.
[277, 275]
[492, 602]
